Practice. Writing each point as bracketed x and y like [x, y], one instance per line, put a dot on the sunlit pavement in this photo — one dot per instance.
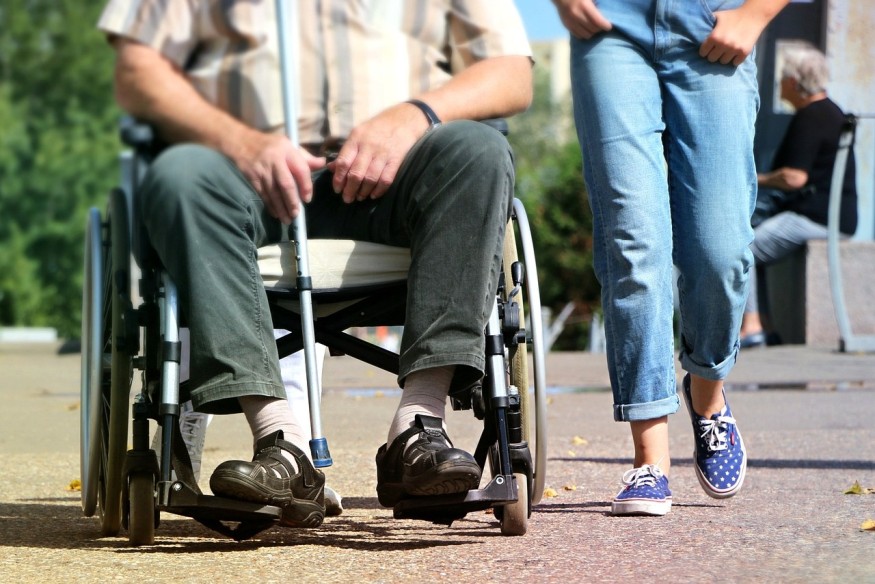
[806, 416]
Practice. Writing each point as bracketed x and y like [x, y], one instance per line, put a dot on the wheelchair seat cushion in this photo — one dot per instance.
[335, 264]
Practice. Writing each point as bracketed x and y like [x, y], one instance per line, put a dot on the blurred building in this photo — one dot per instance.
[555, 56]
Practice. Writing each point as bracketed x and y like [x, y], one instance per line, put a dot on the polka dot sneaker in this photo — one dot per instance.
[721, 460]
[645, 492]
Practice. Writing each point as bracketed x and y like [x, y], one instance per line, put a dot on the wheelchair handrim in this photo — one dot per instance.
[92, 362]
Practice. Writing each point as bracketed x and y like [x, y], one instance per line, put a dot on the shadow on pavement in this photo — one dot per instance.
[58, 523]
[752, 463]
[361, 503]
[597, 507]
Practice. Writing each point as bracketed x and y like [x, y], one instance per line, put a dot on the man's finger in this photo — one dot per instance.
[385, 180]
[301, 180]
[373, 175]
[286, 193]
[354, 179]
[315, 163]
[341, 165]
[263, 185]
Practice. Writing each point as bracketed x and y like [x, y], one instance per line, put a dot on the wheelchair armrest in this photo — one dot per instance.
[499, 124]
[135, 133]
[140, 136]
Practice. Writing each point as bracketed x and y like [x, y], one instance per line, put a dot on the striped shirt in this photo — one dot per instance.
[358, 57]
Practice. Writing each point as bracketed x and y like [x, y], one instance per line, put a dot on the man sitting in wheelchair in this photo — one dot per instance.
[407, 173]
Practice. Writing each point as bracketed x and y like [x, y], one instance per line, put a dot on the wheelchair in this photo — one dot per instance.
[365, 285]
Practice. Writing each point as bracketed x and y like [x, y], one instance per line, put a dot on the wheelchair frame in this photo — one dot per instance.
[132, 488]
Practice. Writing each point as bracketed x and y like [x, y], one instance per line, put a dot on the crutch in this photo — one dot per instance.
[287, 21]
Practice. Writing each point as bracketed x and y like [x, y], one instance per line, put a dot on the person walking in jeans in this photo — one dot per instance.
[665, 99]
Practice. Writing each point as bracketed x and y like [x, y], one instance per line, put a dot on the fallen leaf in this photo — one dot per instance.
[857, 489]
[570, 487]
[868, 525]
[72, 407]
[578, 441]
[550, 492]
[572, 453]
[75, 485]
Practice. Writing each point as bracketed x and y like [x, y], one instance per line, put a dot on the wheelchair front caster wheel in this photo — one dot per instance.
[514, 517]
[141, 518]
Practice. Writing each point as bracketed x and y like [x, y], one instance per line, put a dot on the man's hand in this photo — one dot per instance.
[581, 18]
[784, 179]
[278, 171]
[369, 161]
[152, 88]
[372, 154]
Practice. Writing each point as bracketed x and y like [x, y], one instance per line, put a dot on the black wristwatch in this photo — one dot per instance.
[433, 120]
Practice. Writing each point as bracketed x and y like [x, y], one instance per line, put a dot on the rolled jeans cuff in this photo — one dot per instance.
[646, 411]
[714, 372]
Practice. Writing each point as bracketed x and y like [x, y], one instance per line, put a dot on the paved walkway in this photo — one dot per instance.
[808, 427]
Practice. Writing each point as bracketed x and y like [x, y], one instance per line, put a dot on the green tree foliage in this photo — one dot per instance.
[550, 185]
[58, 148]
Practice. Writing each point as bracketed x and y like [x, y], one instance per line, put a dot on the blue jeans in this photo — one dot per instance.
[667, 140]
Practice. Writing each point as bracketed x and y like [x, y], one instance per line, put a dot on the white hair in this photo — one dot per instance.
[807, 65]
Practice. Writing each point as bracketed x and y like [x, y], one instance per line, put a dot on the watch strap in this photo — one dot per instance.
[433, 120]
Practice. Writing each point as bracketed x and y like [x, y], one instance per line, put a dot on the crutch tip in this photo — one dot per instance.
[319, 450]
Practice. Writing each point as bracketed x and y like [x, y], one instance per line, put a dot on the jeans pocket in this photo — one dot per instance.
[700, 17]
[703, 18]
[711, 6]
[708, 11]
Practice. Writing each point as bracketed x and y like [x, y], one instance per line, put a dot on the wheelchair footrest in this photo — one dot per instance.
[252, 518]
[444, 509]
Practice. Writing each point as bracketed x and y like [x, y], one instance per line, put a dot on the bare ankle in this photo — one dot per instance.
[650, 438]
[707, 396]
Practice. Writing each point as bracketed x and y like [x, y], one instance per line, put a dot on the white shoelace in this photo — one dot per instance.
[643, 476]
[714, 431]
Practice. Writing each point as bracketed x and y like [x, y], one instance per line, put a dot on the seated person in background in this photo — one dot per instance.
[206, 75]
[798, 187]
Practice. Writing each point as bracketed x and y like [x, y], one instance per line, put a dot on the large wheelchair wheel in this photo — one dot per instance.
[107, 364]
[530, 486]
[92, 369]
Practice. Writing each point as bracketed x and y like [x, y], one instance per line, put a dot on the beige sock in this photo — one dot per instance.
[269, 414]
[425, 392]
